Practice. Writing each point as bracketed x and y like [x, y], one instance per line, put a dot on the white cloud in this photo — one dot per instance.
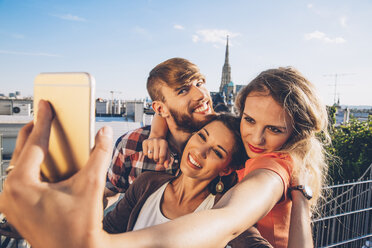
[313, 9]
[195, 38]
[29, 54]
[216, 36]
[343, 21]
[317, 35]
[314, 35]
[70, 17]
[176, 26]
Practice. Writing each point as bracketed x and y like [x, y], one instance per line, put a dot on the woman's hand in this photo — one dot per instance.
[64, 214]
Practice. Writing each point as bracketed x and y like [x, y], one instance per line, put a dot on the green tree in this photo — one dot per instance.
[332, 115]
[352, 144]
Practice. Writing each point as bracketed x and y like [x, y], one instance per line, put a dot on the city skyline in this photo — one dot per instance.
[119, 42]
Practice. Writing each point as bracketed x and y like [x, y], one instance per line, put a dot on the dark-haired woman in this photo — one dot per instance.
[208, 166]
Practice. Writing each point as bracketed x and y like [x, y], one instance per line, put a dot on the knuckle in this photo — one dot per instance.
[12, 187]
[103, 148]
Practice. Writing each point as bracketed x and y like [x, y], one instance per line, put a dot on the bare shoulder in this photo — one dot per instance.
[273, 165]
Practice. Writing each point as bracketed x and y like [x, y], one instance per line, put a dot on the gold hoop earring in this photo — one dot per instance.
[219, 186]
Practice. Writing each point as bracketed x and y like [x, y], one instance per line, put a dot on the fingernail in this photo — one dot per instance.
[106, 131]
[40, 103]
[43, 105]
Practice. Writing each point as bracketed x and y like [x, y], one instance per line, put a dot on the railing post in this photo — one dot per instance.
[333, 222]
[366, 225]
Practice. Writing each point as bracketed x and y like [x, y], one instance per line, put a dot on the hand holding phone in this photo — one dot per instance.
[71, 96]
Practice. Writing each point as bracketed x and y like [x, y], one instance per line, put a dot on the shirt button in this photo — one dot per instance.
[176, 160]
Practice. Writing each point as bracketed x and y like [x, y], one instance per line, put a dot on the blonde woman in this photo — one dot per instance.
[281, 115]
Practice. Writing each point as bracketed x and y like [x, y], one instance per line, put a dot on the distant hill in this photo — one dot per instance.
[357, 106]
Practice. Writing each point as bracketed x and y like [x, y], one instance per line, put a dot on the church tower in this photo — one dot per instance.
[226, 70]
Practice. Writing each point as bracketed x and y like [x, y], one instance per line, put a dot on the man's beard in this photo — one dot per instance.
[186, 123]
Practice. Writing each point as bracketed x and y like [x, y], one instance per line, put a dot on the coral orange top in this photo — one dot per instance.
[275, 225]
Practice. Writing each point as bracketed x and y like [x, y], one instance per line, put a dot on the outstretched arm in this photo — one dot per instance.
[234, 213]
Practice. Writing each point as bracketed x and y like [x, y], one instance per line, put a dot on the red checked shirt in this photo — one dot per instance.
[128, 161]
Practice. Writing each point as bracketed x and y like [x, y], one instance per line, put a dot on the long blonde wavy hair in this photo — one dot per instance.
[309, 117]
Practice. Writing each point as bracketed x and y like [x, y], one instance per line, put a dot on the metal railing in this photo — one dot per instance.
[346, 215]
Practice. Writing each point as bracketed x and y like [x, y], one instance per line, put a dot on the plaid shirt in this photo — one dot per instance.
[128, 161]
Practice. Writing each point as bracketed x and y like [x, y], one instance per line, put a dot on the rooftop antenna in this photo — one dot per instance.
[112, 94]
[112, 106]
[336, 76]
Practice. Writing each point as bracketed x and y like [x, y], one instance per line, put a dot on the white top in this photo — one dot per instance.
[151, 214]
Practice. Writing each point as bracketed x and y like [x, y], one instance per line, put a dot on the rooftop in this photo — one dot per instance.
[15, 119]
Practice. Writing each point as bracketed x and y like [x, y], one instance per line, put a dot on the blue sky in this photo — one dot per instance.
[120, 41]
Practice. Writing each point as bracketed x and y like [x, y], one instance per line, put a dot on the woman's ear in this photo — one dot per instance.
[225, 171]
[160, 108]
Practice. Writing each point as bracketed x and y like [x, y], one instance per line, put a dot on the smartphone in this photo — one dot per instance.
[71, 96]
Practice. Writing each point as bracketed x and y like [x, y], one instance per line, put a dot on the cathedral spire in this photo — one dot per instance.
[227, 51]
[226, 70]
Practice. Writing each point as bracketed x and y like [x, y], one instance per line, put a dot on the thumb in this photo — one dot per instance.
[168, 160]
[94, 173]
